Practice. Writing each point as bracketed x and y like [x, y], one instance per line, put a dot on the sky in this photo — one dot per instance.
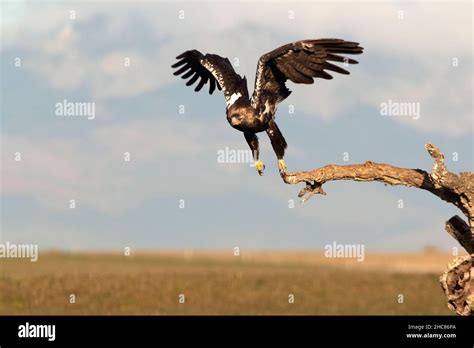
[174, 193]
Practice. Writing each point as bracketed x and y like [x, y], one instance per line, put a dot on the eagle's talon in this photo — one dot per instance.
[281, 166]
[260, 167]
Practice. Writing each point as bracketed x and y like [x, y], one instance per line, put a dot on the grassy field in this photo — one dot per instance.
[220, 283]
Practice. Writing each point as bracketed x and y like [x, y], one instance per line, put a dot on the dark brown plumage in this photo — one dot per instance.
[299, 62]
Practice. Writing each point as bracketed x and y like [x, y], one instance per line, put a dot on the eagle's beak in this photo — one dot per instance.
[235, 120]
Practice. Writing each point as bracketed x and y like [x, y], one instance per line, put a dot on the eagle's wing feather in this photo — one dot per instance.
[299, 62]
[216, 70]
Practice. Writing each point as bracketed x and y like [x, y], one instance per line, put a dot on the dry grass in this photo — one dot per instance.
[219, 283]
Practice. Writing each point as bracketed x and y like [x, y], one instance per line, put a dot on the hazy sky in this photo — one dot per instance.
[417, 52]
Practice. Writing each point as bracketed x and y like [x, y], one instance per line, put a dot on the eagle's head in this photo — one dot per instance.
[243, 118]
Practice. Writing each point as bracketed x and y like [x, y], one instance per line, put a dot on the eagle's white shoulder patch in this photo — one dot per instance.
[267, 107]
[233, 98]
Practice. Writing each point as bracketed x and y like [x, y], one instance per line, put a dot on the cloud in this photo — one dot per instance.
[93, 171]
[400, 39]
[407, 59]
[163, 153]
[444, 106]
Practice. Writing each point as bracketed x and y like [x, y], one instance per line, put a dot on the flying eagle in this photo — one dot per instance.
[298, 62]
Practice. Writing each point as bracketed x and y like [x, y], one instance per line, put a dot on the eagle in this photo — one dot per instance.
[298, 62]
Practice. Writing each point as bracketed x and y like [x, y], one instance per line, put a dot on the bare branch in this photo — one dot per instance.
[457, 189]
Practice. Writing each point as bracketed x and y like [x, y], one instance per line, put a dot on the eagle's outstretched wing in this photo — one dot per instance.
[213, 69]
[298, 62]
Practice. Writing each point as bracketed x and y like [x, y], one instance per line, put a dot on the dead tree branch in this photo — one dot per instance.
[457, 189]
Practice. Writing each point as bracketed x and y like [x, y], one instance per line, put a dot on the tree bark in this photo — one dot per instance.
[457, 189]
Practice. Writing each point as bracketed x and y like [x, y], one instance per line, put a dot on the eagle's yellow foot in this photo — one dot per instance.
[281, 166]
[260, 167]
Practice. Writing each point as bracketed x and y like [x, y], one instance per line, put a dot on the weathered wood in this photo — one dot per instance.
[460, 231]
[457, 189]
[457, 285]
